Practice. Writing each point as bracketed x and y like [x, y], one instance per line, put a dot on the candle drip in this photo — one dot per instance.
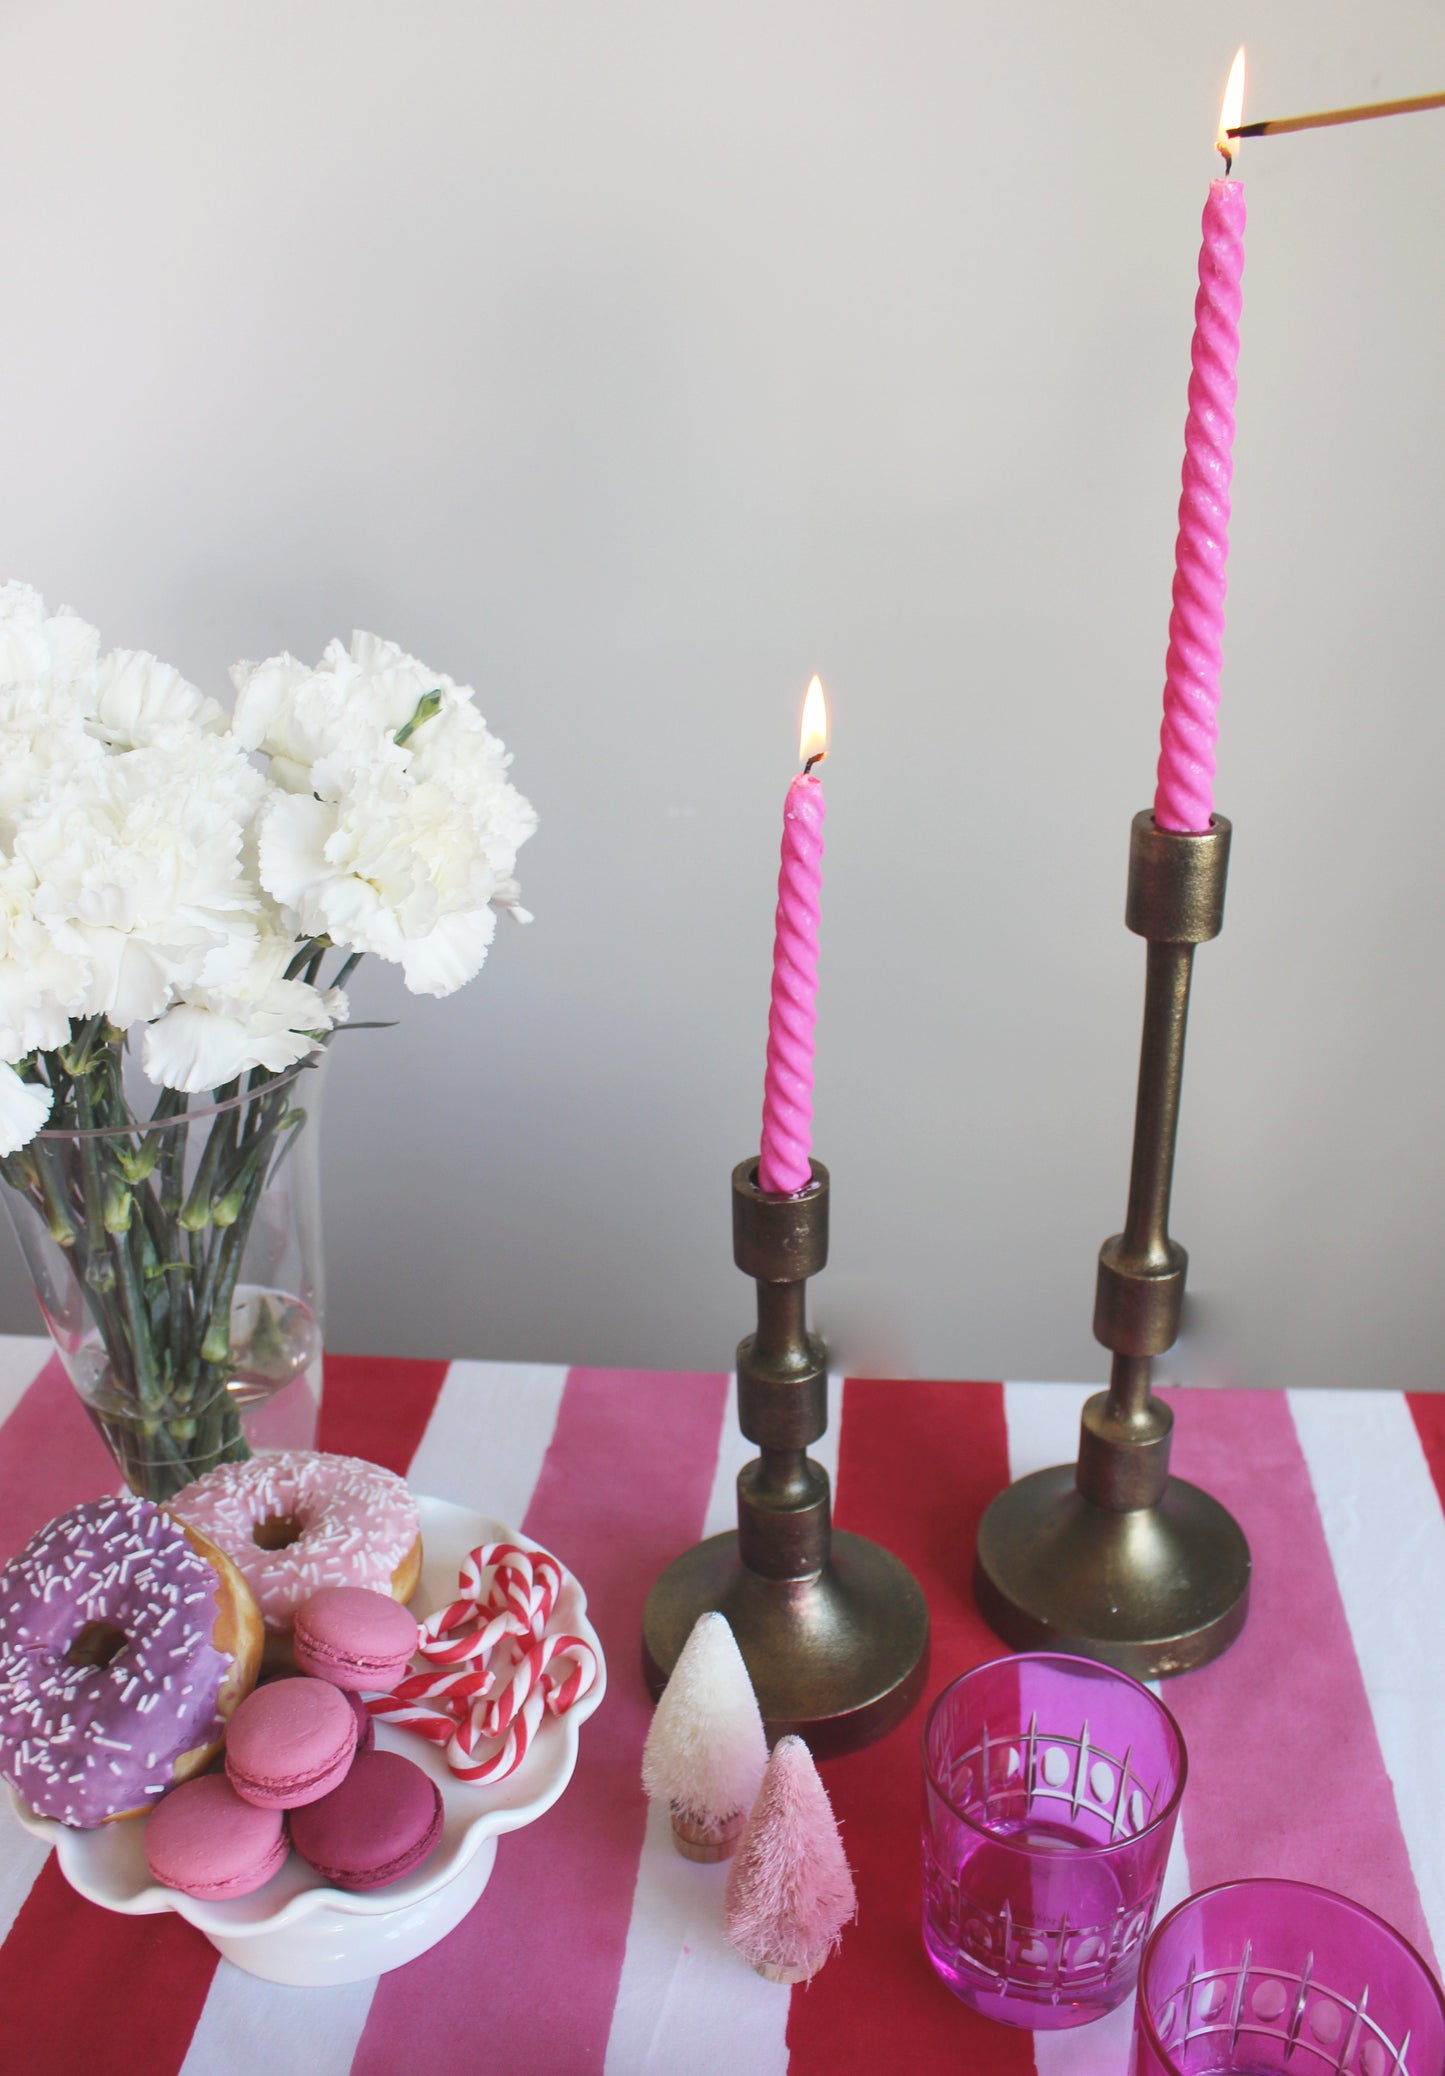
[1184, 798]
[784, 1165]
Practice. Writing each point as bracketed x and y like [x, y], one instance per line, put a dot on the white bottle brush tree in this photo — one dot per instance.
[706, 1751]
[789, 1891]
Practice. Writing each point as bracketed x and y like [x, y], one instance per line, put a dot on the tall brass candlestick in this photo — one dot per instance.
[1112, 1557]
[833, 1629]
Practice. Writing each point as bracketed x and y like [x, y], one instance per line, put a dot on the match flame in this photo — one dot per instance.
[813, 742]
[1231, 114]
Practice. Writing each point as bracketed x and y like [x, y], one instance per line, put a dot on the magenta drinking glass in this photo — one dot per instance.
[1260, 1977]
[1051, 1789]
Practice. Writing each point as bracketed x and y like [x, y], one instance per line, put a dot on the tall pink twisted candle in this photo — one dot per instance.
[1184, 797]
[784, 1165]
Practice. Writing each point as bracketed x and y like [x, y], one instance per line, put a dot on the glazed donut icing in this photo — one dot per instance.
[353, 1523]
[81, 1742]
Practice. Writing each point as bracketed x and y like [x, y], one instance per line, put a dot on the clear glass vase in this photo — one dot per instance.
[177, 1261]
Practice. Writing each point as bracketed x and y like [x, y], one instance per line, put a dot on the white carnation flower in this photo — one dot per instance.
[24, 1107]
[395, 868]
[47, 670]
[53, 650]
[137, 861]
[42, 739]
[404, 827]
[313, 723]
[260, 1019]
[453, 748]
[458, 751]
[41, 986]
[138, 700]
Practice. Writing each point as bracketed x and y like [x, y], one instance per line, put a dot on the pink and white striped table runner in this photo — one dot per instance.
[1317, 1745]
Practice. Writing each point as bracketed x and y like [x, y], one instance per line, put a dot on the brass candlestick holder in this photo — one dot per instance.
[1112, 1557]
[833, 1629]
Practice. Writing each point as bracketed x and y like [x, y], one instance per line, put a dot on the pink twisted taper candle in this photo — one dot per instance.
[783, 1165]
[1184, 797]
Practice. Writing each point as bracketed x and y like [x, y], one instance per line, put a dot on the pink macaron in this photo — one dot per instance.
[290, 1742]
[205, 1840]
[355, 1638]
[382, 1821]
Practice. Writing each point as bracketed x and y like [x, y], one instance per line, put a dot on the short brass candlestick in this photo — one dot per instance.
[833, 1629]
[1112, 1557]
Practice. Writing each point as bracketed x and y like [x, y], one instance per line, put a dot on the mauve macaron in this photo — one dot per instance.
[365, 1723]
[290, 1742]
[205, 1840]
[382, 1821]
[355, 1638]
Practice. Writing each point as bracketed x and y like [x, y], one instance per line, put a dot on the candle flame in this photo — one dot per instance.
[813, 741]
[1232, 111]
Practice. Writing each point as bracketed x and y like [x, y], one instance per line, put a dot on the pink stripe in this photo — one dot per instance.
[1285, 1770]
[623, 1489]
[51, 1458]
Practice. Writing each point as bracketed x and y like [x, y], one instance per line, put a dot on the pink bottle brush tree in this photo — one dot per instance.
[706, 1750]
[790, 1891]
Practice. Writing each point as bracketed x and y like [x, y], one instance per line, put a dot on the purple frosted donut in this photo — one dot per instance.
[108, 1671]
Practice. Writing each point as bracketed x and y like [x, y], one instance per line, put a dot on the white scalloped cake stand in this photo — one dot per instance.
[298, 1930]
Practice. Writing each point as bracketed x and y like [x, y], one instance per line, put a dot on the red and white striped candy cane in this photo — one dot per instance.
[426, 1722]
[504, 1591]
[450, 1637]
[509, 1753]
[561, 1693]
[453, 1691]
[525, 1581]
[531, 1673]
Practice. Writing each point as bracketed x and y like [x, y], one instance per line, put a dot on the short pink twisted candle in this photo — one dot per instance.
[1184, 797]
[784, 1165]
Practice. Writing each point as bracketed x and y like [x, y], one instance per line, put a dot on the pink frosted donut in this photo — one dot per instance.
[295, 1520]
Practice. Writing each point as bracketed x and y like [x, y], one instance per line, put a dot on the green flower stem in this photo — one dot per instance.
[138, 1339]
[196, 1211]
[309, 951]
[92, 1190]
[172, 1162]
[53, 1190]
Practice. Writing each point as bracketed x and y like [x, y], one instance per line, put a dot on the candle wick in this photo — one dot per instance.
[816, 758]
[1228, 157]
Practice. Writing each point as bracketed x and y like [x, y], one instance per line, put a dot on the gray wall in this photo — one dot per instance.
[636, 360]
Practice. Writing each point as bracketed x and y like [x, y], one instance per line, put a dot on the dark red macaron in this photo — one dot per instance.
[382, 1821]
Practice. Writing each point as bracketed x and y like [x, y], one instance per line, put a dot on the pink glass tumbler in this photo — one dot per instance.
[1259, 1977]
[1051, 1789]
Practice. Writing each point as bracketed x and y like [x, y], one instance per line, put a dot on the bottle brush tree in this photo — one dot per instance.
[790, 1891]
[705, 1752]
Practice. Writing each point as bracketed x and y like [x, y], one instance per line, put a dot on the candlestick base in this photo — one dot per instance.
[838, 1659]
[1152, 1590]
[833, 1629]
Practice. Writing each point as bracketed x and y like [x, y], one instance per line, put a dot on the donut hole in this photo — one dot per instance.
[98, 1643]
[277, 1532]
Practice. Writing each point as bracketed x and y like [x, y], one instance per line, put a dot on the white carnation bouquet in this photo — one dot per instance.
[174, 881]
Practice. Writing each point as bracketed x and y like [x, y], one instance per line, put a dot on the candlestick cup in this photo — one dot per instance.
[1262, 1978]
[1051, 1792]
